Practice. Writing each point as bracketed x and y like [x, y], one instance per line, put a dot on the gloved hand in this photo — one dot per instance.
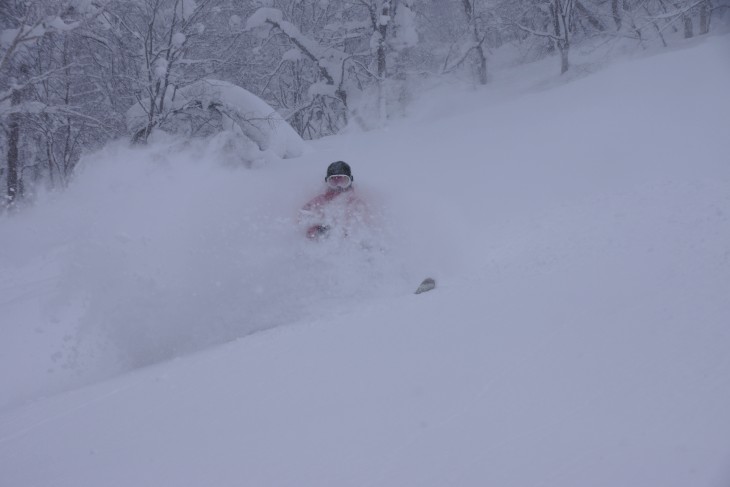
[317, 231]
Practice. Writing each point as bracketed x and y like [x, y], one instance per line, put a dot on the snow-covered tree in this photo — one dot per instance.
[41, 120]
[333, 49]
[470, 43]
[314, 49]
[552, 20]
[393, 25]
[212, 107]
[154, 37]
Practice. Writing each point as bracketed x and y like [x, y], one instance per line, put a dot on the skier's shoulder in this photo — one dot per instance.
[317, 201]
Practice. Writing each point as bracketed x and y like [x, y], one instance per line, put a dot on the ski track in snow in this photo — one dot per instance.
[56, 417]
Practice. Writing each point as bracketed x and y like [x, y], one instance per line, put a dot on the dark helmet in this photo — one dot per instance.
[339, 167]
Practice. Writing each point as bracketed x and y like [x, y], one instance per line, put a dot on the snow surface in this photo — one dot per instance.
[580, 237]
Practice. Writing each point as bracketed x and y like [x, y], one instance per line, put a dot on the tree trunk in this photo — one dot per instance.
[14, 188]
[555, 13]
[482, 65]
[383, 31]
[561, 24]
[342, 95]
[616, 13]
[705, 18]
[688, 29]
[481, 56]
[381, 58]
[564, 48]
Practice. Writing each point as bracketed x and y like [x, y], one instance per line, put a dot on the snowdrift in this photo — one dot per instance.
[216, 105]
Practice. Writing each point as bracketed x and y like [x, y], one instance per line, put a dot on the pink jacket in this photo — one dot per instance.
[333, 211]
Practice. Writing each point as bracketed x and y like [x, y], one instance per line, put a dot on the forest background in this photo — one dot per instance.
[76, 74]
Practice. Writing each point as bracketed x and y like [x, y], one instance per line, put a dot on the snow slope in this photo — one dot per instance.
[580, 235]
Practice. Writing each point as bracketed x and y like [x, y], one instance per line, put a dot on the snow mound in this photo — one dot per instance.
[234, 111]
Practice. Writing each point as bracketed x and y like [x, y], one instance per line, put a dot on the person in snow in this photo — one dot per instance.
[336, 211]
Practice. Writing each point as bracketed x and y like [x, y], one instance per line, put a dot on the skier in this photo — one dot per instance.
[341, 212]
[338, 210]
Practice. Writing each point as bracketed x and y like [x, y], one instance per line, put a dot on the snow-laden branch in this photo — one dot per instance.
[7, 94]
[12, 39]
[538, 33]
[40, 108]
[329, 59]
[464, 51]
[257, 121]
[677, 13]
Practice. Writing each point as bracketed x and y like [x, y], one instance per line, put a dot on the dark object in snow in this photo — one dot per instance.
[317, 232]
[426, 285]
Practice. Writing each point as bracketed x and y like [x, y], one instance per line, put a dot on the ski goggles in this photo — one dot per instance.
[340, 181]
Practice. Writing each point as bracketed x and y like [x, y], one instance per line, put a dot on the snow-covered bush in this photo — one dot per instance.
[221, 109]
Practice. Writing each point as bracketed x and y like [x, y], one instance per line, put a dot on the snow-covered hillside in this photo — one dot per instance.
[580, 236]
